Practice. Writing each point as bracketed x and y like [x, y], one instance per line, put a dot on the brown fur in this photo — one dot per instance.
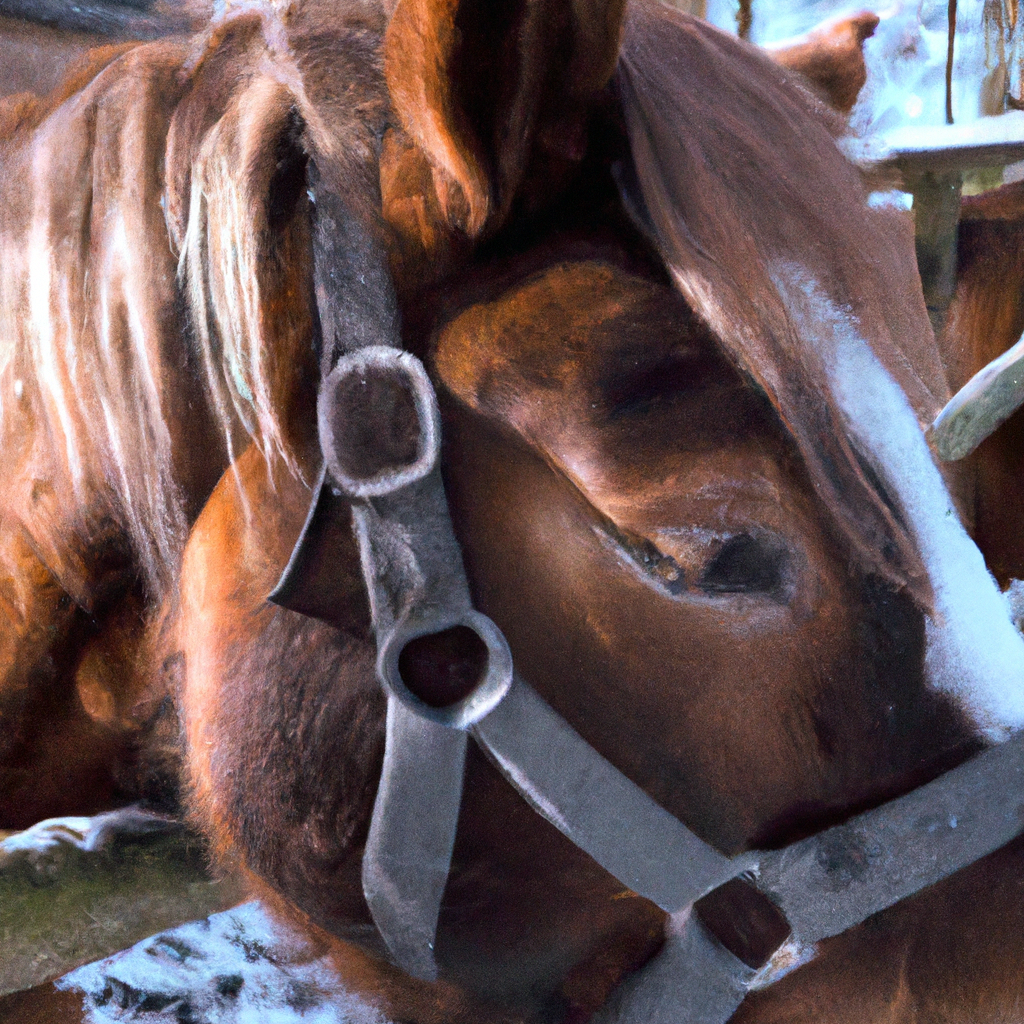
[831, 57]
[620, 420]
[985, 319]
[120, 408]
[89, 453]
[545, 61]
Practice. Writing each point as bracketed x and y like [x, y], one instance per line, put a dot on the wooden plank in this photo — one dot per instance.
[913, 150]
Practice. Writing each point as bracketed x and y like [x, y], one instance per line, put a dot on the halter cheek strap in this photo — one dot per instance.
[412, 567]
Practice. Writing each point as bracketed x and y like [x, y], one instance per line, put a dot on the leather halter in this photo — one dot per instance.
[412, 567]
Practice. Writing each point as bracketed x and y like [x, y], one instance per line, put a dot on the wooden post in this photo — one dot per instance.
[929, 162]
[744, 18]
[936, 217]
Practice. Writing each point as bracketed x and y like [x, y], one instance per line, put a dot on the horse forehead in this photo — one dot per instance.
[329, 64]
[571, 333]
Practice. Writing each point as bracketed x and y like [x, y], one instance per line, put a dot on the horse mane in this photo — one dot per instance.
[739, 178]
[247, 280]
[84, 309]
[239, 211]
[156, 308]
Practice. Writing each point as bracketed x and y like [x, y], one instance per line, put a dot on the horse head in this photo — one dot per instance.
[628, 300]
[682, 369]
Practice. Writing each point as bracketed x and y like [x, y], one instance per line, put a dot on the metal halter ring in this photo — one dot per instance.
[379, 425]
[492, 683]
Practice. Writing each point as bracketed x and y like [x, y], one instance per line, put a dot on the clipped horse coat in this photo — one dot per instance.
[682, 369]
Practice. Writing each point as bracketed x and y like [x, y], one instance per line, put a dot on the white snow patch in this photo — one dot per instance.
[893, 199]
[973, 651]
[41, 844]
[913, 106]
[237, 967]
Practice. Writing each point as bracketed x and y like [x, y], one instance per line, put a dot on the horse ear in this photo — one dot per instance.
[831, 57]
[476, 84]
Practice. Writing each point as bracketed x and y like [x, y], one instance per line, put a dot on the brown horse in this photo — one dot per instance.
[112, 415]
[682, 452]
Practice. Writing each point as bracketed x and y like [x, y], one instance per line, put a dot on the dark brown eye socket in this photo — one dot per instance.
[747, 564]
[680, 374]
[758, 566]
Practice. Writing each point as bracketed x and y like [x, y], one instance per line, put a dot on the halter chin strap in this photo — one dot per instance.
[417, 586]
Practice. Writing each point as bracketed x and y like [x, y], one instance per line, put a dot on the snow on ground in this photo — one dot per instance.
[74, 889]
[237, 967]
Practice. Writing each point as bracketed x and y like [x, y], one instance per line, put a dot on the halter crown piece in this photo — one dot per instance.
[380, 437]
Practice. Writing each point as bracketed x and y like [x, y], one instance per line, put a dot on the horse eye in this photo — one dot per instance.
[664, 568]
[748, 565]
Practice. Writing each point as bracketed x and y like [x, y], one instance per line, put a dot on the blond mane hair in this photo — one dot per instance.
[156, 306]
[87, 306]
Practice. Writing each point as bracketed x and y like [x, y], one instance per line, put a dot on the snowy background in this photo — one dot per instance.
[906, 58]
